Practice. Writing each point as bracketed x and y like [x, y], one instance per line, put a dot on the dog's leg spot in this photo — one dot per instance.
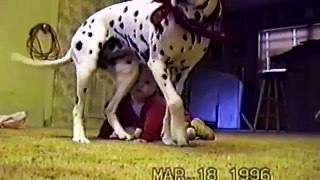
[190, 47]
[111, 23]
[92, 20]
[77, 100]
[154, 48]
[205, 49]
[140, 26]
[147, 17]
[166, 21]
[83, 32]
[197, 16]
[100, 45]
[135, 20]
[121, 25]
[125, 9]
[178, 77]
[171, 47]
[136, 13]
[164, 76]
[158, 36]
[182, 50]
[85, 23]
[119, 18]
[85, 90]
[161, 52]
[107, 34]
[79, 45]
[165, 84]
[90, 34]
[182, 61]
[90, 52]
[89, 26]
[185, 37]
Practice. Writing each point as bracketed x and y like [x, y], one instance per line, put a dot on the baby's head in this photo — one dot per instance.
[145, 85]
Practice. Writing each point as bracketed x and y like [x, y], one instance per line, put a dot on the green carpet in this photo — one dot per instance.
[50, 154]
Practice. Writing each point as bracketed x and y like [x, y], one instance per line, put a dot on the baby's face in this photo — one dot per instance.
[145, 86]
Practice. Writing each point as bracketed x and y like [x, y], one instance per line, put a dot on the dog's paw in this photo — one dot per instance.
[125, 136]
[168, 141]
[81, 140]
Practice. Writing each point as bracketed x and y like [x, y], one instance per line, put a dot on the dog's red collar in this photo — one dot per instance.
[199, 28]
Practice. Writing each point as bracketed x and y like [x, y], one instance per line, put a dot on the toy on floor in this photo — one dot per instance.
[13, 121]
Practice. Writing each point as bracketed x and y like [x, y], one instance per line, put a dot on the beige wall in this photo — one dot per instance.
[23, 87]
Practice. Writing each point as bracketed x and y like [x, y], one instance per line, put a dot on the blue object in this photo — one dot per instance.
[216, 98]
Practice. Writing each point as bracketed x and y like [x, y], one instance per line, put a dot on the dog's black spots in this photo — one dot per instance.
[111, 23]
[135, 20]
[182, 61]
[119, 18]
[178, 77]
[134, 35]
[129, 62]
[185, 68]
[92, 20]
[164, 76]
[85, 23]
[160, 29]
[205, 49]
[121, 25]
[136, 13]
[144, 40]
[83, 32]
[90, 51]
[161, 52]
[185, 37]
[198, 39]
[152, 35]
[168, 61]
[182, 50]
[89, 26]
[77, 100]
[100, 45]
[158, 36]
[165, 84]
[79, 45]
[107, 34]
[171, 47]
[85, 90]
[140, 26]
[89, 34]
[145, 55]
[197, 16]
[154, 47]
[193, 38]
[134, 45]
[125, 9]
[147, 17]
[166, 21]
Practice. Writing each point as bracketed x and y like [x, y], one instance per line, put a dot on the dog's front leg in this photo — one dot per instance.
[83, 77]
[174, 101]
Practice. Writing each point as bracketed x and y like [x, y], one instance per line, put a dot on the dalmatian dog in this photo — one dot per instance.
[169, 50]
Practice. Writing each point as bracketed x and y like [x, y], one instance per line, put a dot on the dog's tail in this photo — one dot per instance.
[34, 62]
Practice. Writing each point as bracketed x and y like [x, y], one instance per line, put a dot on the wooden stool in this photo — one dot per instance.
[270, 78]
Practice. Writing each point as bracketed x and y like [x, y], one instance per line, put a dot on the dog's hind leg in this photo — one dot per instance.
[124, 82]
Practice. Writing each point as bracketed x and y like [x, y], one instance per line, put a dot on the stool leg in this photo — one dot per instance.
[284, 100]
[259, 105]
[277, 104]
[268, 104]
